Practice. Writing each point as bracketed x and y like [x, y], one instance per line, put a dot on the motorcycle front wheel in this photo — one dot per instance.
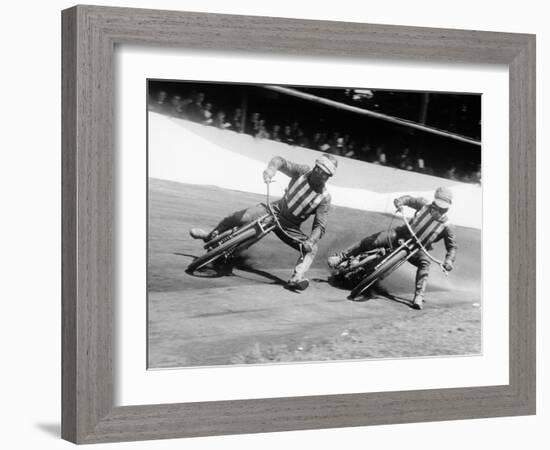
[221, 250]
[387, 266]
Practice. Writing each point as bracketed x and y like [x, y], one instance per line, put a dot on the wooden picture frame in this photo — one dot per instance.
[90, 34]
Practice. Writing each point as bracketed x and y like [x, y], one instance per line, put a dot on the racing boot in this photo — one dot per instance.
[297, 284]
[198, 233]
[418, 302]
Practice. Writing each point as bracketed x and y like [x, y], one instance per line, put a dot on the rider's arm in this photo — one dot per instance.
[449, 237]
[411, 202]
[320, 220]
[289, 168]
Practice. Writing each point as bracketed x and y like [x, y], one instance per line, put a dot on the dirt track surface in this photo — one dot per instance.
[248, 317]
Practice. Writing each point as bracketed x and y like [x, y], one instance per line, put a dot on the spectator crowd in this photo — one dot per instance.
[399, 153]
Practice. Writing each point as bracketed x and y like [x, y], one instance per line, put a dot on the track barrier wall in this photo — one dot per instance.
[187, 152]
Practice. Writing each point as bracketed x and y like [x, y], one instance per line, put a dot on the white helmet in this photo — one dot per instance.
[327, 163]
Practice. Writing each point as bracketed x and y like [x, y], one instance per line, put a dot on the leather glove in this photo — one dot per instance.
[448, 265]
[268, 175]
[308, 246]
[398, 204]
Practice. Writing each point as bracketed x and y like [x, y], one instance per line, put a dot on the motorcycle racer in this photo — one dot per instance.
[430, 224]
[305, 196]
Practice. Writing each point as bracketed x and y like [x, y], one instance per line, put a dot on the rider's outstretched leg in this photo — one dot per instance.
[294, 236]
[423, 271]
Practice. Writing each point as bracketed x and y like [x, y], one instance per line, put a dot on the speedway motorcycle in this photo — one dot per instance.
[367, 268]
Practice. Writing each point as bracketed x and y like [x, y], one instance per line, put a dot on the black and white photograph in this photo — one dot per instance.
[306, 224]
[166, 281]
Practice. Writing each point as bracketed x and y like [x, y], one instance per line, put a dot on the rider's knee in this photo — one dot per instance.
[314, 249]
[385, 239]
[245, 218]
[367, 243]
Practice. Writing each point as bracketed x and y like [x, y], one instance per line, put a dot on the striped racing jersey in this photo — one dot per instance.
[301, 200]
[428, 228]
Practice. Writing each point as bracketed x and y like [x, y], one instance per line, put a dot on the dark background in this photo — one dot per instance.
[340, 132]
